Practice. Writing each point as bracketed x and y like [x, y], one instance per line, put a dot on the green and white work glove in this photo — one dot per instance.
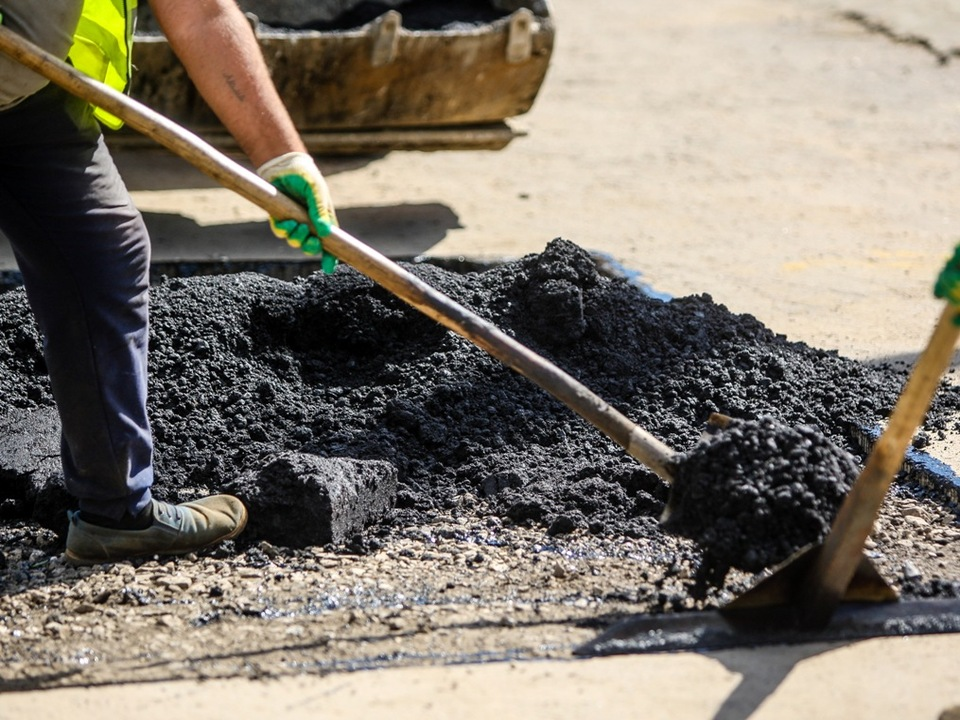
[947, 286]
[297, 176]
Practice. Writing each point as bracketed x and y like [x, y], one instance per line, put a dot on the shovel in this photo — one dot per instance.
[639, 443]
[814, 581]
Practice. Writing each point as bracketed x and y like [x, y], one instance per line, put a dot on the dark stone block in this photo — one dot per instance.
[30, 472]
[298, 500]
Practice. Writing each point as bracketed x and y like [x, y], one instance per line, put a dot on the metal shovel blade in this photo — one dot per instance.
[782, 587]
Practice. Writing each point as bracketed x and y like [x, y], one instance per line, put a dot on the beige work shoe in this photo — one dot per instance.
[176, 530]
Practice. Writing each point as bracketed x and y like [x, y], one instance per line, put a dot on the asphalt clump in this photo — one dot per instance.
[757, 491]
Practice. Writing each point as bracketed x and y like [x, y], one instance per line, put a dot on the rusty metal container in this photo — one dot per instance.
[374, 76]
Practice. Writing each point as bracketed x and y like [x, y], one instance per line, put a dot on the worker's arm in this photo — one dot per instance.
[220, 52]
[216, 45]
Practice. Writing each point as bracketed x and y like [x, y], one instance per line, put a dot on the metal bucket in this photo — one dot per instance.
[380, 85]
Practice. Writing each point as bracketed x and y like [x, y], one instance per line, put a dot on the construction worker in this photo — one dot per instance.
[84, 252]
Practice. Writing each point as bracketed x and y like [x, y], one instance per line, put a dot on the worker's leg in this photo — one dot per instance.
[83, 251]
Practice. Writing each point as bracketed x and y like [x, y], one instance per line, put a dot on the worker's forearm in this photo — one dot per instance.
[220, 53]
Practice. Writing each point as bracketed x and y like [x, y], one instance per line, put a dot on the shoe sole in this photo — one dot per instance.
[78, 561]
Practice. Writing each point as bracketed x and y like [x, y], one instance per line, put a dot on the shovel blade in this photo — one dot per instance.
[784, 587]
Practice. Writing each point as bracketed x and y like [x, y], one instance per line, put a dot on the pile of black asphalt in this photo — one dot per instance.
[336, 411]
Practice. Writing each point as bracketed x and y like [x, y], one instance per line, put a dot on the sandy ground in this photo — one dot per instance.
[796, 163]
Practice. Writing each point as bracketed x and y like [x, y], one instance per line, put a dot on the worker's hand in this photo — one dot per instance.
[947, 286]
[296, 175]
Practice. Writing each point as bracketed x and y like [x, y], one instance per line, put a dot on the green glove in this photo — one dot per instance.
[297, 176]
[947, 286]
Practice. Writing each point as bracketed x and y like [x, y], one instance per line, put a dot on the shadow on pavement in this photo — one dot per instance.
[396, 231]
[762, 673]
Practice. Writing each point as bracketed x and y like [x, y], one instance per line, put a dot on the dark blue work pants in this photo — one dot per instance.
[84, 254]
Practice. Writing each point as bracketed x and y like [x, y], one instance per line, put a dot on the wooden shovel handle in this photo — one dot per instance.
[639, 443]
[842, 549]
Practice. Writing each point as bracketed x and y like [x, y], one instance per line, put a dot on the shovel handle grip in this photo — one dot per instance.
[409, 288]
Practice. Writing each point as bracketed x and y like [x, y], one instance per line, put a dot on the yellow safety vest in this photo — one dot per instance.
[102, 46]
